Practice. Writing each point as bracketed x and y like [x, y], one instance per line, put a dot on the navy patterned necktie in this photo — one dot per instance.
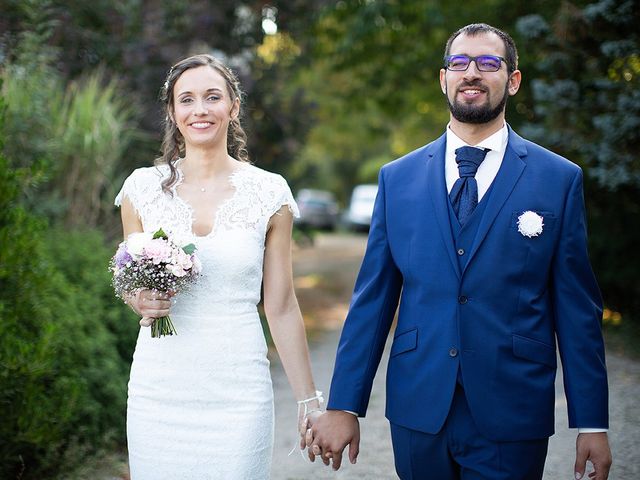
[464, 194]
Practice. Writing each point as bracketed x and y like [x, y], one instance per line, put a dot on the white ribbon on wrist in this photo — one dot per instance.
[303, 407]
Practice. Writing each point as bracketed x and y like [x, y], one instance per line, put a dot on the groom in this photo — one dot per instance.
[480, 238]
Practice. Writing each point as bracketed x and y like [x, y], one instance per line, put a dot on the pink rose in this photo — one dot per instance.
[158, 250]
[181, 259]
[176, 270]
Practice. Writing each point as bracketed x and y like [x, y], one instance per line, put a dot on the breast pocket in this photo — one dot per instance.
[533, 237]
[533, 225]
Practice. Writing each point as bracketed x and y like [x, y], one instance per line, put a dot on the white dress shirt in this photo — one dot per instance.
[488, 169]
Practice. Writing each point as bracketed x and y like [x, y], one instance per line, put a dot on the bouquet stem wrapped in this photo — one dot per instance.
[147, 261]
[162, 326]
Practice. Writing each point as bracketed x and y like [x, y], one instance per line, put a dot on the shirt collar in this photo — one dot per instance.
[496, 142]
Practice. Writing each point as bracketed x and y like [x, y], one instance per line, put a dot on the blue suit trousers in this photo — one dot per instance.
[460, 452]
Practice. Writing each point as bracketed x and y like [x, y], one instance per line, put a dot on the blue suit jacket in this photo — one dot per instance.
[498, 319]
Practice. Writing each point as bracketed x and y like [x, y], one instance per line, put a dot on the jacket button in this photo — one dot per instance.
[453, 351]
[461, 251]
[462, 299]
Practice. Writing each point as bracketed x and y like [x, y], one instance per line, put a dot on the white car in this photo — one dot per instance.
[358, 215]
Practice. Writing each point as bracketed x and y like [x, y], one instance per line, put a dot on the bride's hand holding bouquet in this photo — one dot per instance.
[148, 269]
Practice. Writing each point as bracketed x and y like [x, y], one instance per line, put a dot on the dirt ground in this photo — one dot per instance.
[324, 277]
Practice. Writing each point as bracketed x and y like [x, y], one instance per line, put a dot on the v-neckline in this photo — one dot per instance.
[231, 178]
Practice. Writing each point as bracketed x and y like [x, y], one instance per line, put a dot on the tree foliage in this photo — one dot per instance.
[372, 80]
[82, 129]
[586, 105]
[138, 42]
[585, 90]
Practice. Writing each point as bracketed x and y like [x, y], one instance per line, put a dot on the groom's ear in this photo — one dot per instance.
[513, 84]
[443, 81]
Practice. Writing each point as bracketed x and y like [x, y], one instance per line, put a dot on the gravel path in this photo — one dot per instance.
[376, 457]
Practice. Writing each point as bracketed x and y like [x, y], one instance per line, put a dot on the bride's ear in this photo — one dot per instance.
[235, 109]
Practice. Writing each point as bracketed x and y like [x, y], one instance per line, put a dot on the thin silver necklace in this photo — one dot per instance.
[178, 162]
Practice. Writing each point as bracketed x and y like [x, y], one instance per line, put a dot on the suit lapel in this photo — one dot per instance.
[437, 188]
[504, 183]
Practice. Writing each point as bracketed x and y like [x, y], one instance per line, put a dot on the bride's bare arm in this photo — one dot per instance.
[130, 220]
[282, 310]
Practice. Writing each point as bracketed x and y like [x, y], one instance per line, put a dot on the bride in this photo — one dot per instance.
[200, 403]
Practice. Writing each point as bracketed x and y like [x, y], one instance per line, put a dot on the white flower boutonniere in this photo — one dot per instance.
[530, 224]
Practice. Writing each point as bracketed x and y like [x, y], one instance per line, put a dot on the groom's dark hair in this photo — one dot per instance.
[511, 52]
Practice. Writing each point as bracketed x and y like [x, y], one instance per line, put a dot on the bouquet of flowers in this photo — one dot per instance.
[155, 262]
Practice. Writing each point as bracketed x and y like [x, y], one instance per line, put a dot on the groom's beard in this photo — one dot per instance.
[476, 114]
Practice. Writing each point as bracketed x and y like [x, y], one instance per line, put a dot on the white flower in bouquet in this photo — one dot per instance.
[136, 242]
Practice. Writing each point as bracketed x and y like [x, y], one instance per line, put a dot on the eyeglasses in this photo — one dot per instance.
[484, 63]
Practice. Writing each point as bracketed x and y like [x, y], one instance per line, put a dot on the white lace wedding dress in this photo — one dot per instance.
[200, 402]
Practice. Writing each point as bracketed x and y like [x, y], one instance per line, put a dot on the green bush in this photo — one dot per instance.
[66, 343]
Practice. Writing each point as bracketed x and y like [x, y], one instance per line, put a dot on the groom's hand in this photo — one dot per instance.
[331, 433]
[595, 448]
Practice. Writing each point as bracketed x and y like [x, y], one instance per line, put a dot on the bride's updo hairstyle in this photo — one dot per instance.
[173, 141]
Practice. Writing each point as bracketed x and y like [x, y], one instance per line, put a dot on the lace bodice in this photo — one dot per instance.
[258, 195]
[232, 253]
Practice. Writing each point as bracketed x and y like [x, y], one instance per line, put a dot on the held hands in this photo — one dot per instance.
[305, 423]
[595, 448]
[309, 410]
[330, 434]
[150, 304]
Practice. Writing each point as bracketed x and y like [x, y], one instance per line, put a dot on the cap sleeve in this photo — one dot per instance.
[141, 188]
[283, 196]
[124, 191]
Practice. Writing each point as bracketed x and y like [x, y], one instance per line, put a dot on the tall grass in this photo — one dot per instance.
[82, 131]
[92, 132]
